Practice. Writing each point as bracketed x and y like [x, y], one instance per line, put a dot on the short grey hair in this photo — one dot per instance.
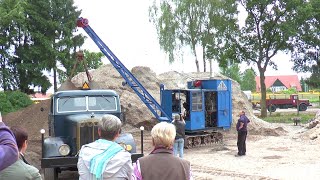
[163, 134]
[109, 126]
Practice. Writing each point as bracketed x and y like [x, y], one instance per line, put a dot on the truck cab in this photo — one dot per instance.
[73, 121]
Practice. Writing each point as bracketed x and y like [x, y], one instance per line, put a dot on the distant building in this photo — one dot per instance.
[279, 83]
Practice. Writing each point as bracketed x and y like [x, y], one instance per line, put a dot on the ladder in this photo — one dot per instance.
[137, 87]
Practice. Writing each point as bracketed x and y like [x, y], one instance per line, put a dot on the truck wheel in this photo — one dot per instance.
[50, 174]
[303, 107]
[272, 108]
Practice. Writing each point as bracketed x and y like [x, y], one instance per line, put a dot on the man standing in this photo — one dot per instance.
[180, 124]
[242, 133]
[104, 158]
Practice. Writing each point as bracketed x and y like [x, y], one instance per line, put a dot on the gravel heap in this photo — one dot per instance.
[314, 128]
[137, 113]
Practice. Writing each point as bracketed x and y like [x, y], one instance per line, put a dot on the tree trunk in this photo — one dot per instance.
[55, 80]
[210, 68]
[196, 58]
[263, 91]
[204, 59]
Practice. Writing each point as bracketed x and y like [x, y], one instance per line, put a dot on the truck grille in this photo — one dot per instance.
[87, 133]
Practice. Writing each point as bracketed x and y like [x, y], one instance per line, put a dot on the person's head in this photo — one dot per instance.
[242, 113]
[163, 135]
[21, 136]
[109, 127]
[177, 117]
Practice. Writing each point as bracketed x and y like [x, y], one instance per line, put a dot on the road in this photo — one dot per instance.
[311, 110]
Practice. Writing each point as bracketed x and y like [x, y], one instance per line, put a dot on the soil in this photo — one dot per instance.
[274, 151]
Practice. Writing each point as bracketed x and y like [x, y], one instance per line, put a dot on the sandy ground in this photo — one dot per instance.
[268, 157]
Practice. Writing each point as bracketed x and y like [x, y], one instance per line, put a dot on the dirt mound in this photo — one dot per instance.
[268, 131]
[136, 112]
[313, 127]
[31, 118]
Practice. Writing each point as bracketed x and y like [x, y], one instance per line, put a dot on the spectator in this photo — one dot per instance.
[104, 158]
[179, 123]
[160, 164]
[21, 169]
[242, 133]
[8, 146]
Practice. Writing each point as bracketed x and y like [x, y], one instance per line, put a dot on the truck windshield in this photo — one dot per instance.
[102, 103]
[91, 103]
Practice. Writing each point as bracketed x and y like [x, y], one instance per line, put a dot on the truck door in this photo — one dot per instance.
[166, 101]
[197, 116]
[224, 109]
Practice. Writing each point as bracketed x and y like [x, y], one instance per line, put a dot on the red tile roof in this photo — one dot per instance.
[288, 81]
[40, 95]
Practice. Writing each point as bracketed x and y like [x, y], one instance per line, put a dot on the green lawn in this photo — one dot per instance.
[286, 117]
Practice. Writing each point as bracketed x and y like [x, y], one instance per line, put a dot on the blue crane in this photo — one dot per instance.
[138, 88]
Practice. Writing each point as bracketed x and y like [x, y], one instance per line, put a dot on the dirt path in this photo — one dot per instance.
[268, 157]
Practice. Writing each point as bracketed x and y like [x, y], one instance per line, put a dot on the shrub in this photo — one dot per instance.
[18, 100]
[5, 104]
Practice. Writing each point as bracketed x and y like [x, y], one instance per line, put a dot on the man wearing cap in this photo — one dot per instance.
[179, 123]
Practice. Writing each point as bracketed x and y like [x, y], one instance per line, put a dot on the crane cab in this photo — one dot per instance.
[205, 105]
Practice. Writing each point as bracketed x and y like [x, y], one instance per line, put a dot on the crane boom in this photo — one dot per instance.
[137, 87]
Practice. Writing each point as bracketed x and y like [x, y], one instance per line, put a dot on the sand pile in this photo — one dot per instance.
[138, 114]
[313, 128]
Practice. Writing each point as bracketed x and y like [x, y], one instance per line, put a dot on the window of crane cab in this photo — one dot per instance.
[197, 101]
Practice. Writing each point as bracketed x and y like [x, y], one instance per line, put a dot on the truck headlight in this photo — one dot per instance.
[64, 149]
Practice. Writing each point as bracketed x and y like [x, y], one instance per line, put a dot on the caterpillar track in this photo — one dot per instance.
[192, 141]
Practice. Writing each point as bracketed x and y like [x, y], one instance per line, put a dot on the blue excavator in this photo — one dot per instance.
[206, 103]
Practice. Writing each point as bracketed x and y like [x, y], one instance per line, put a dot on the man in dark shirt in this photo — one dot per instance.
[242, 133]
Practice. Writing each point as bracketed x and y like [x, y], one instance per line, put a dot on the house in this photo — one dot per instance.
[279, 83]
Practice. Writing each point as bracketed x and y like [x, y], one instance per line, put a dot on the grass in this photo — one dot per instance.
[286, 117]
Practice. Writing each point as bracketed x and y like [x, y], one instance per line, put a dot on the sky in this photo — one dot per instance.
[124, 27]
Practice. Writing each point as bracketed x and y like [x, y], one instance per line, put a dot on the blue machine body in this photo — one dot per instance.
[208, 101]
[208, 104]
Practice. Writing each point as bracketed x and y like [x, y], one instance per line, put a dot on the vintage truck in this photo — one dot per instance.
[293, 102]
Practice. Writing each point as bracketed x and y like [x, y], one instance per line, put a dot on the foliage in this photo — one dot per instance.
[267, 29]
[306, 49]
[290, 91]
[91, 60]
[5, 104]
[306, 44]
[248, 81]
[192, 23]
[18, 100]
[286, 118]
[232, 72]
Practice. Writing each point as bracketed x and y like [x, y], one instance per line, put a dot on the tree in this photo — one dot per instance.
[92, 60]
[233, 72]
[52, 24]
[306, 44]
[248, 81]
[267, 30]
[191, 23]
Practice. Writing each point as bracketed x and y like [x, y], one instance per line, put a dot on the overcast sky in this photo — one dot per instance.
[124, 27]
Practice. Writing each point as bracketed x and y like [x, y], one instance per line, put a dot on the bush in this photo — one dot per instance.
[5, 104]
[18, 99]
